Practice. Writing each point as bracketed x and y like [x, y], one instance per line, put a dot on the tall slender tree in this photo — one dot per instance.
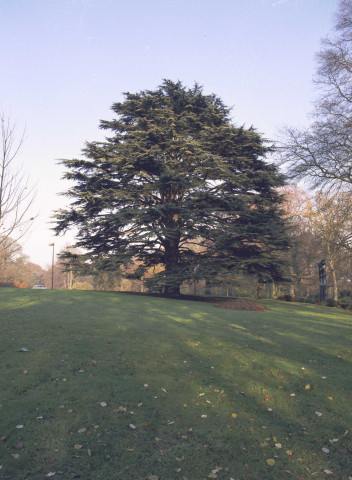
[175, 172]
[16, 195]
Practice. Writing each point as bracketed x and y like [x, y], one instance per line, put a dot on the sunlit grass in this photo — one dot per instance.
[204, 388]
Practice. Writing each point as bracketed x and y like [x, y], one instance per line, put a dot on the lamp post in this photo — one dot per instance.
[52, 266]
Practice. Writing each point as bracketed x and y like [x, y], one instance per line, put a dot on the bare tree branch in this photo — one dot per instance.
[16, 194]
[322, 154]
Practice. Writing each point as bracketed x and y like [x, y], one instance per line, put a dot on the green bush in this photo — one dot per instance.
[330, 302]
[346, 303]
[286, 298]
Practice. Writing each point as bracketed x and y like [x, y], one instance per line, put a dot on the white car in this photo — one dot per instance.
[39, 287]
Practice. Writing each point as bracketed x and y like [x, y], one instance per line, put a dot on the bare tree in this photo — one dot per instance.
[322, 154]
[16, 195]
[330, 221]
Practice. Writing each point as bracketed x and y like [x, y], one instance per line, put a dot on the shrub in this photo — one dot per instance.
[344, 293]
[313, 298]
[346, 303]
[19, 284]
[82, 286]
[286, 298]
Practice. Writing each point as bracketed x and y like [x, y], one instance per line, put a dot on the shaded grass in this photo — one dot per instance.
[169, 363]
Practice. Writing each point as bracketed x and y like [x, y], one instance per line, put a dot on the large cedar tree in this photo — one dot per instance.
[177, 184]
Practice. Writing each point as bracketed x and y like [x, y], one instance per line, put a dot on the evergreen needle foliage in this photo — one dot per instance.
[177, 185]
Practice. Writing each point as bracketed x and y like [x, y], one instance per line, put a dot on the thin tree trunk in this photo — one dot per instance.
[333, 275]
[172, 282]
[334, 284]
[274, 291]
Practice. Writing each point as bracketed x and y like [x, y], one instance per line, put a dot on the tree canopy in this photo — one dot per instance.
[322, 153]
[175, 173]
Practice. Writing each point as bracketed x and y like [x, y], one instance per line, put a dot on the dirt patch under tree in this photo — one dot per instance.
[241, 304]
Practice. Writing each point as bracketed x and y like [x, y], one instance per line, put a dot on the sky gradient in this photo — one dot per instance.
[64, 62]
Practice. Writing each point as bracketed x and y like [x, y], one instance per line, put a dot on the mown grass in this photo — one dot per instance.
[171, 389]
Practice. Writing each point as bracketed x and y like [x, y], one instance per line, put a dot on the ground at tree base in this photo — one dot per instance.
[241, 304]
[219, 302]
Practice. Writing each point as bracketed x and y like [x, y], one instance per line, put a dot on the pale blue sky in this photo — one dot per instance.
[64, 62]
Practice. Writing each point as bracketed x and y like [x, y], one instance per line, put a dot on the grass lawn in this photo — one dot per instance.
[127, 387]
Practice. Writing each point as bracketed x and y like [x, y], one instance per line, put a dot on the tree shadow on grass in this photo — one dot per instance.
[164, 361]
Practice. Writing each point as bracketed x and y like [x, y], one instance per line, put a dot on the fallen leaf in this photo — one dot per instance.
[328, 472]
[288, 452]
[274, 439]
[204, 416]
[325, 450]
[50, 474]
[132, 426]
[153, 477]
[307, 387]
[278, 445]
[292, 394]
[77, 446]
[25, 372]
[270, 462]
[103, 404]
[19, 426]
[234, 415]
[15, 455]
[89, 451]
[82, 430]
[318, 414]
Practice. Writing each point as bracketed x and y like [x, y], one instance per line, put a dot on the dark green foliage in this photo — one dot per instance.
[330, 302]
[345, 303]
[177, 184]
